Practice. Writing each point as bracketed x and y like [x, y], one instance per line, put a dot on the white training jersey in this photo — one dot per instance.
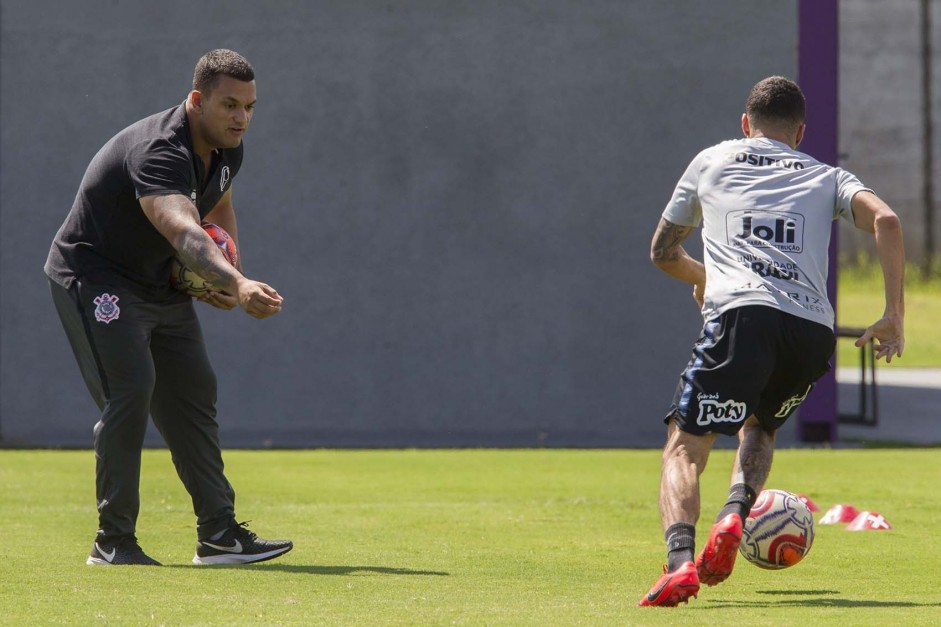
[766, 212]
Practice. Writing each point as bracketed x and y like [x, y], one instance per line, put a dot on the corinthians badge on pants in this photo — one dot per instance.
[106, 308]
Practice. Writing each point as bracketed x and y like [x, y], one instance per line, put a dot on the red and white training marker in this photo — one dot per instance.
[808, 502]
[839, 514]
[869, 521]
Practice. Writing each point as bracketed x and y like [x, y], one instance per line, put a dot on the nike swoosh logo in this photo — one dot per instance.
[108, 556]
[235, 548]
[653, 594]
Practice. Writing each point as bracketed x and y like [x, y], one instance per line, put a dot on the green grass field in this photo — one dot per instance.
[467, 537]
[860, 302]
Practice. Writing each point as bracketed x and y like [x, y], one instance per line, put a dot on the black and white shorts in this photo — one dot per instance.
[750, 360]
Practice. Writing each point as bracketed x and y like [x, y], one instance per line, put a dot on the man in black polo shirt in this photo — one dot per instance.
[138, 341]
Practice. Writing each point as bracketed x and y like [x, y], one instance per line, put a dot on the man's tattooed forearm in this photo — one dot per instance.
[669, 236]
[198, 253]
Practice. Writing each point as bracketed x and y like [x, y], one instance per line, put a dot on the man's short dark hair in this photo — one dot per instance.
[776, 101]
[216, 63]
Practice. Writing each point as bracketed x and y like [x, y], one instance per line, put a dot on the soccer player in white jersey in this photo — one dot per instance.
[766, 211]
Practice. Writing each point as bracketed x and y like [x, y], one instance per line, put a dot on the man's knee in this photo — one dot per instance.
[691, 447]
[753, 429]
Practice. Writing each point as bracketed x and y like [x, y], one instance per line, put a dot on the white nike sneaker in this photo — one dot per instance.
[123, 551]
[238, 545]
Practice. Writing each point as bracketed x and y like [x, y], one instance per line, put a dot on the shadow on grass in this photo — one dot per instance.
[821, 601]
[888, 444]
[316, 570]
[797, 592]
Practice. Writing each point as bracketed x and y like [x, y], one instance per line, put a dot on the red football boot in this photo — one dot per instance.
[673, 588]
[715, 563]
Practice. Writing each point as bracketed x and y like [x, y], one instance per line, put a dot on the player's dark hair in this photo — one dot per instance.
[216, 63]
[776, 101]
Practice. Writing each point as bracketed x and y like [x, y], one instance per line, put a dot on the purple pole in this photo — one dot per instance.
[818, 55]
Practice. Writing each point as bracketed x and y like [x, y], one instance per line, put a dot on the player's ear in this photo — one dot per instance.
[196, 100]
[800, 134]
[746, 125]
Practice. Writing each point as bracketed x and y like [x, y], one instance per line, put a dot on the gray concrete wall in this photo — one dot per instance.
[881, 121]
[455, 198]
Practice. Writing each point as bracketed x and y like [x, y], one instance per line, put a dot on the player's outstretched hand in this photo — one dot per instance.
[257, 299]
[888, 337]
[219, 300]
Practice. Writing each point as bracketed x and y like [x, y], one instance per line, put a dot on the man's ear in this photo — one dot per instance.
[196, 100]
[746, 125]
[800, 134]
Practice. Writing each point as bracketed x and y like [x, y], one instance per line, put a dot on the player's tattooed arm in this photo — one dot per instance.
[667, 240]
[176, 218]
[668, 254]
[200, 253]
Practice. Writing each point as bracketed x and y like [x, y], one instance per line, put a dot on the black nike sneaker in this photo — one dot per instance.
[238, 545]
[123, 551]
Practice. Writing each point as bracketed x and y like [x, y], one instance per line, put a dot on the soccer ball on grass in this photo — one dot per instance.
[778, 532]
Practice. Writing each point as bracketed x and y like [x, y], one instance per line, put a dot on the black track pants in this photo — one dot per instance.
[140, 358]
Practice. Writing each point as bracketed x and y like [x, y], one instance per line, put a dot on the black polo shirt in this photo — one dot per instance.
[106, 238]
